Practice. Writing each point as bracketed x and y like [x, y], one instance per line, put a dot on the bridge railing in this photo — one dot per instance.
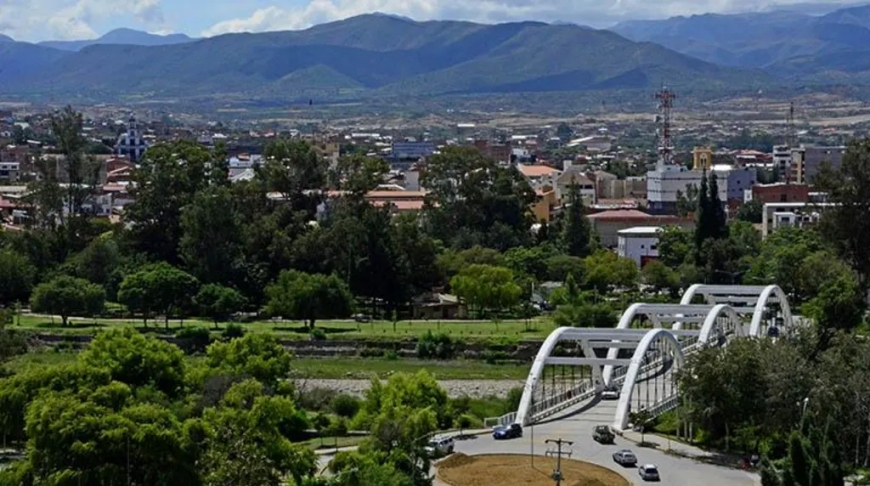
[556, 403]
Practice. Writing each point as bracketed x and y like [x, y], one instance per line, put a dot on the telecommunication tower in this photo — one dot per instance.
[665, 98]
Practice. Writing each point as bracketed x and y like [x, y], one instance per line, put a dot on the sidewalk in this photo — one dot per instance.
[671, 446]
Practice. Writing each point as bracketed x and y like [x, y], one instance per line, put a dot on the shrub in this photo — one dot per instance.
[318, 334]
[195, 333]
[513, 399]
[371, 353]
[345, 405]
[233, 331]
[391, 355]
[338, 428]
[315, 399]
[468, 421]
[435, 346]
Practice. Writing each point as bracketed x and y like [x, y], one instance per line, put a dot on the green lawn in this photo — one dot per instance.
[338, 368]
[512, 330]
[335, 442]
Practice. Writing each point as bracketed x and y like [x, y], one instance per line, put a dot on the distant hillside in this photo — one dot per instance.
[6, 38]
[789, 45]
[20, 61]
[373, 55]
[120, 36]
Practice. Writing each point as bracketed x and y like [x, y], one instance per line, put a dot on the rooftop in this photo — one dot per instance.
[641, 231]
[536, 170]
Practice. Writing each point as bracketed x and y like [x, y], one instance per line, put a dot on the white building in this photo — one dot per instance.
[639, 244]
[664, 185]
[782, 161]
[131, 144]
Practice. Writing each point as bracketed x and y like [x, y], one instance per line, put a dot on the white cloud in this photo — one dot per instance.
[590, 12]
[71, 19]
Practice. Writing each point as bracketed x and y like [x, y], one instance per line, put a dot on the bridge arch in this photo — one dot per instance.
[713, 323]
[620, 421]
[757, 299]
[523, 412]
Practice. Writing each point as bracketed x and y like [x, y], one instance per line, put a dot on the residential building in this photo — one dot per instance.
[628, 188]
[639, 244]
[574, 174]
[10, 171]
[782, 161]
[733, 181]
[608, 224]
[539, 175]
[808, 160]
[411, 150]
[545, 204]
[779, 192]
[777, 215]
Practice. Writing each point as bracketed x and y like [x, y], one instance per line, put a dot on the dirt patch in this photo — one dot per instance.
[516, 470]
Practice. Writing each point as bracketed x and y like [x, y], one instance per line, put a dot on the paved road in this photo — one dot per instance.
[576, 425]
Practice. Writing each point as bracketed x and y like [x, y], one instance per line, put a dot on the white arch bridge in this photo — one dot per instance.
[640, 357]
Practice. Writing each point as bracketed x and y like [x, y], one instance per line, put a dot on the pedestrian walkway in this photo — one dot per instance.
[681, 449]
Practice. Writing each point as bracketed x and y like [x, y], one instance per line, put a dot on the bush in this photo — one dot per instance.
[318, 334]
[467, 421]
[495, 357]
[338, 428]
[195, 333]
[435, 346]
[345, 405]
[391, 355]
[371, 353]
[513, 399]
[233, 331]
[315, 399]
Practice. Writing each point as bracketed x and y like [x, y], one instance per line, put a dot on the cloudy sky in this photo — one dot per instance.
[35, 20]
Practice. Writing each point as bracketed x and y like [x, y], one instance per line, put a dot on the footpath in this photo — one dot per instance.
[688, 451]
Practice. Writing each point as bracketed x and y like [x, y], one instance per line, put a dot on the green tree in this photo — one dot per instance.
[839, 305]
[661, 278]
[576, 230]
[605, 271]
[137, 360]
[210, 246]
[68, 296]
[846, 223]
[298, 295]
[98, 262]
[259, 356]
[248, 439]
[16, 277]
[219, 303]
[167, 179]
[159, 288]
[751, 212]
[486, 288]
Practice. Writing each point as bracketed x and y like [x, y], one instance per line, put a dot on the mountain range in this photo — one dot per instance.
[379, 55]
[120, 36]
[790, 45]
[368, 55]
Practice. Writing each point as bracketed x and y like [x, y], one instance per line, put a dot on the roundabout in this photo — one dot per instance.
[516, 470]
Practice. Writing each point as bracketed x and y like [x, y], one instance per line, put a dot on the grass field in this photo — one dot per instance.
[510, 330]
[337, 368]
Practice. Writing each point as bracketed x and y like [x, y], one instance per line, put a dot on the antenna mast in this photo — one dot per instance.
[790, 132]
[665, 98]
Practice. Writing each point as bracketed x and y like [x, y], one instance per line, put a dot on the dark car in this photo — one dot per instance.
[603, 435]
[504, 432]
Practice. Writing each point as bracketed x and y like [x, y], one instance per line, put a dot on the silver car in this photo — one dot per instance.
[625, 458]
[649, 472]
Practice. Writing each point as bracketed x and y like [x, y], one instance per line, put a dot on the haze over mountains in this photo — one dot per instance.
[789, 45]
[383, 55]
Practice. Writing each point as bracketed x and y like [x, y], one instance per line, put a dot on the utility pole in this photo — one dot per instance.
[557, 474]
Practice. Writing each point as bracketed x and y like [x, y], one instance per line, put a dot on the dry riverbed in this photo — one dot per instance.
[454, 388]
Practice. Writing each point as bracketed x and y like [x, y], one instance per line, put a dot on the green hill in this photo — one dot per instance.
[374, 55]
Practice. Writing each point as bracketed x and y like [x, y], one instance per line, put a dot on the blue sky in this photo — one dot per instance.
[35, 20]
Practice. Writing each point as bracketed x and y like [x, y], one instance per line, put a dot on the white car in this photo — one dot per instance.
[440, 447]
[625, 458]
[649, 472]
[610, 394]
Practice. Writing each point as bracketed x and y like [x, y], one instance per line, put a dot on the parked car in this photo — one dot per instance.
[504, 432]
[625, 458]
[440, 447]
[362, 318]
[602, 434]
[649, 472]
[610, 393]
